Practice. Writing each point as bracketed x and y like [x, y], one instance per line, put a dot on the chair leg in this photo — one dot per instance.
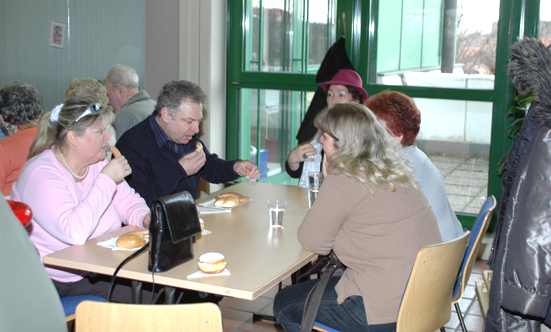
[459, 314]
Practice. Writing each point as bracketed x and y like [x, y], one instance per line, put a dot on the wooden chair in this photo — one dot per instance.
[99, 316]
[477, 233]
[426, 304]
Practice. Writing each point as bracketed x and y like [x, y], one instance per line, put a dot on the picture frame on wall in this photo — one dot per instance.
[57, 35]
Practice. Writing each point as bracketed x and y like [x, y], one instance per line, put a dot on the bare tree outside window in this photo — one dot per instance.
[476, 49]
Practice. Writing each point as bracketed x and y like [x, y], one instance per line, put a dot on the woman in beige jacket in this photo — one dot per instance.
[372, 214]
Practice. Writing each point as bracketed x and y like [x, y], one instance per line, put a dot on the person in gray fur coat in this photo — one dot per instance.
[521, 286]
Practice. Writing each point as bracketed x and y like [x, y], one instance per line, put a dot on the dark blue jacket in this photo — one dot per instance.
[156, 172]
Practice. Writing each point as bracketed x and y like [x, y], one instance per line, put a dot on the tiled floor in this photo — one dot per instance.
[465, 178]
[238, 314]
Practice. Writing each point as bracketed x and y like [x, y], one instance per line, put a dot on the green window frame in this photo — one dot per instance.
[516, 18]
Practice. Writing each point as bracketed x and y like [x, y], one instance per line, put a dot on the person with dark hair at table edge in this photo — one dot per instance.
[163, 151]
[21, 106]
[75, 194]
[371, 214]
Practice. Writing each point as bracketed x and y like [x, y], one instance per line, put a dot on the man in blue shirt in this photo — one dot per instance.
[162, 150]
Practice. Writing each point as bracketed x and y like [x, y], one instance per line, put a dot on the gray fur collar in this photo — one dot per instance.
[530, 67]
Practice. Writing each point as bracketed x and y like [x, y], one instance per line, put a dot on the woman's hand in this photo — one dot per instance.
[300, 154]
[117, 169]
[147, 220]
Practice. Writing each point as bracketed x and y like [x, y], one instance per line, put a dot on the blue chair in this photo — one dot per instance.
[477, 233]
[70, 304]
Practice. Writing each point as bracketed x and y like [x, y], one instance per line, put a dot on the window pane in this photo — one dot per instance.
[456, 137]
[269, 121]
[422, 43]
[286, 36]
[544, 33]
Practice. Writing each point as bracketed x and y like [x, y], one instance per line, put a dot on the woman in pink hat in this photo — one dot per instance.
[345, 87]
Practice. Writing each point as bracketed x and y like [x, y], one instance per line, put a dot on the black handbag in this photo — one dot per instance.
[313, 301]
[174, 223]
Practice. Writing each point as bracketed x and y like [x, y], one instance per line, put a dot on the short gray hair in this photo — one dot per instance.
[123, 75]
[174, 93]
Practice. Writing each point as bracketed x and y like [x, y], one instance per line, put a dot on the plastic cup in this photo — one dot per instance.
[276, 211]
[315, 179]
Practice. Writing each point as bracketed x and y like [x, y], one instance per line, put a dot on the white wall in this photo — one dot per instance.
[161, 44]
[99, 34]
[186, 39]
[453, 120]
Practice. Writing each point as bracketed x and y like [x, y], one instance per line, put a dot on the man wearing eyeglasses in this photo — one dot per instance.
[131, 105]
[164, 153]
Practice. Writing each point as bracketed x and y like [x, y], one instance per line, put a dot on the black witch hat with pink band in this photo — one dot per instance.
[336, 60]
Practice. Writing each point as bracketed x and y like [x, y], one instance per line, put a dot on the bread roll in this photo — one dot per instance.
[199, 146]
[131, 241]
[230, 201]
[212, 262]
[218, 201]
[227, 201]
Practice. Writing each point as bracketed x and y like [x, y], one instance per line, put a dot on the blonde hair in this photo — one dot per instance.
[54, 133]
[90, 86]
[364, 149]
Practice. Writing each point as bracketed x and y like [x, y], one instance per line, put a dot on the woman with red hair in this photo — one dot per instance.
[403, 119]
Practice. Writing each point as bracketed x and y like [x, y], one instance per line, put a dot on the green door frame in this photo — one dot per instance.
[358, 25]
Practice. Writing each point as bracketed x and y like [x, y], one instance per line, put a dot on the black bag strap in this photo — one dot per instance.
[313, 300]
[128, 259]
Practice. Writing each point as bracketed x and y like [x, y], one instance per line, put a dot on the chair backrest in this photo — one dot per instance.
[28, 298]
[100, 316]
[477, 233]
[426, 304]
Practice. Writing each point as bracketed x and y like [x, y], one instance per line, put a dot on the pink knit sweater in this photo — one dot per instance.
[66, 212]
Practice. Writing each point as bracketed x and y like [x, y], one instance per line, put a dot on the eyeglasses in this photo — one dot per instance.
[94, 108]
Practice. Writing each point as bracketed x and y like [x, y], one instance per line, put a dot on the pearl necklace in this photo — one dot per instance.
[69, 168]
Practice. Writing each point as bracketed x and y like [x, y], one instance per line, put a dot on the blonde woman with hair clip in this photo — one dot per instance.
[75, 194]
[370, 212]
[90, 86]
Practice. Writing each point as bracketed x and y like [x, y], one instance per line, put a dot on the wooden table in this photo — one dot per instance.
[258, 256]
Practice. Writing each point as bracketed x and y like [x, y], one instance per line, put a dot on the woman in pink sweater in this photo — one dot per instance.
[75, 194]
[370, 212]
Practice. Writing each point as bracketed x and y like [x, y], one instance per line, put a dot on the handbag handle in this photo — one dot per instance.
[128, 259]
[313, 300]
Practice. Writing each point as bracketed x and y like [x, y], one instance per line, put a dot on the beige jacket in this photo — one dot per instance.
[376, 236]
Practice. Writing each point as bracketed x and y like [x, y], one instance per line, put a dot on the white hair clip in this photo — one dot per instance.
[55, 113]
